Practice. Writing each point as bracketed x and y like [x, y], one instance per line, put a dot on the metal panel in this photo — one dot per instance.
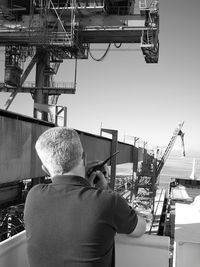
[148, 250]
[13, 251]
[10, 192]
[187, 254]
[125, 153]
[129, 251]
[187, 234]
[18, 159]
[141, 154]
[96, 147]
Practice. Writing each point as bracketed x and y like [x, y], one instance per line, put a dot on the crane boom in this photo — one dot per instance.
[170, 146]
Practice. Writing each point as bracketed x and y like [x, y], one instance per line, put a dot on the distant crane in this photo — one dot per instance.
[177, 132]
[147, 177]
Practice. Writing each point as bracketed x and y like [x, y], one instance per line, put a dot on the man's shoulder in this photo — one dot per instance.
[35, 191]
[37, 187]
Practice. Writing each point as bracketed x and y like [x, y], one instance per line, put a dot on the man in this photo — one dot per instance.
[69, 222]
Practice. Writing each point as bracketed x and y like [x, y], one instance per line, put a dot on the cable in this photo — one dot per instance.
[117, 46]
[102, 57]
[116, 50]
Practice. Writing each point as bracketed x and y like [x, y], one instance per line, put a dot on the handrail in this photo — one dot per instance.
[54, 84]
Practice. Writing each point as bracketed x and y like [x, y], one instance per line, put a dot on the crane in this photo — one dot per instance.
[147, 177]
[50, 31]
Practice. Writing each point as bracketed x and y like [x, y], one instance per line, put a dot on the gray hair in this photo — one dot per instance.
[59, 149]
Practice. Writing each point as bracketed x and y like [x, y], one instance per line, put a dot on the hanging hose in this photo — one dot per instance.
[118, 46]
[102, 57]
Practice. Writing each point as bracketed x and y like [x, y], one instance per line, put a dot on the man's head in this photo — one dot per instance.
[60, 150]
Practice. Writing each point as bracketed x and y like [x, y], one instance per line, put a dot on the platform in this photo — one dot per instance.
[64, 88]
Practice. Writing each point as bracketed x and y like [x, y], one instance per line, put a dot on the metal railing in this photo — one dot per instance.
[12, 231]
[148, 5]
[53, 85]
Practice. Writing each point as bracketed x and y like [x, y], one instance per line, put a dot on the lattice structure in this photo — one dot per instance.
[64, 29]
[149, 39]
[149, 171]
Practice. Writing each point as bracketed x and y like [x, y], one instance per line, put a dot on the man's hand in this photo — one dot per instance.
[97, 178]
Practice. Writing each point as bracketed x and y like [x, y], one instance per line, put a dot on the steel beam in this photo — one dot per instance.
[94, 34]
[113, 161]
[46, 90]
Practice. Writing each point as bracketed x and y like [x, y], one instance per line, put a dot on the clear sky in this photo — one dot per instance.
[138, 99]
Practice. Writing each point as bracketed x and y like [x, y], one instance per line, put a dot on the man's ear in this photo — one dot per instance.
[45, 170]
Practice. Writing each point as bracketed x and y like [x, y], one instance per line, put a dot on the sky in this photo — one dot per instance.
[143, 100]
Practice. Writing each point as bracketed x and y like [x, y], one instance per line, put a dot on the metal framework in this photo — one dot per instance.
[113, 161]
[150, 171]
[50, 31]
[149, 39]
[176, 133]
[147, 176]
